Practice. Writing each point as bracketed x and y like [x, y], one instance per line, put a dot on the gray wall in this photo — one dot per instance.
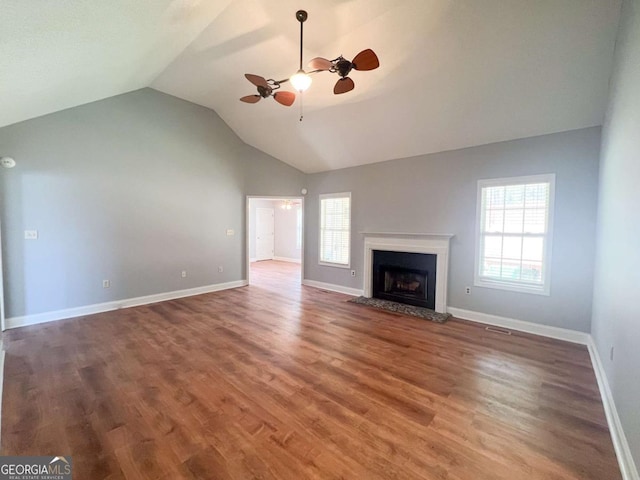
[285, 223]
[135, 189]
[285, 243]
[437, 194]
[616, 313]
[141, 186]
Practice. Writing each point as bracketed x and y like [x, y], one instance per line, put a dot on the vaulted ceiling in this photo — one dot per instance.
[453, 74]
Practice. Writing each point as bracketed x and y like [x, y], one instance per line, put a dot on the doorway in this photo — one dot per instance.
[274, 238]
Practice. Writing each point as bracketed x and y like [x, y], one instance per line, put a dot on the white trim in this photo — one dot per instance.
[22, 321]
[558, 333]
[332, 287]
[288, 259]
[431, 244]
[252, 260]
[620, 444]
[247, 230]
[2, 354]
[2, 318]
[335, 265]
[406, 234]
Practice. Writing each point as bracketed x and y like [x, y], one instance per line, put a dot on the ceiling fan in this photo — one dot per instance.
[301, 80]
[266, 89]
[365, 60]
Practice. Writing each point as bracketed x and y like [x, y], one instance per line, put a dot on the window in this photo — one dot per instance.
[335, 229]
[514, 221]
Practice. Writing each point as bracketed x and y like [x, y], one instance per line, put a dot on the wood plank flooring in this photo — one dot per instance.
[279, 381]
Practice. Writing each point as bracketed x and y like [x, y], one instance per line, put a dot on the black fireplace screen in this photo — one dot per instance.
[405, 277]
[401, 281]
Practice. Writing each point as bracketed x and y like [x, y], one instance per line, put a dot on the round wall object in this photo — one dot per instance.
[303, 191]
[7, 162]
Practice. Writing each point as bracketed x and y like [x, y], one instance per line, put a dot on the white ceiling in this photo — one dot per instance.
[453, 74]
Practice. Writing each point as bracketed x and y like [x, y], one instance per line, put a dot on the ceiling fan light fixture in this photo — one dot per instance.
[300, 80]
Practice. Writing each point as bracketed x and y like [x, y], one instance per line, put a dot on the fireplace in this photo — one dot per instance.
[405, 277]
[430, 274]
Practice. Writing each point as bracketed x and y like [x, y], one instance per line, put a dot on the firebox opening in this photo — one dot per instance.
[401, 281]
[405, 277]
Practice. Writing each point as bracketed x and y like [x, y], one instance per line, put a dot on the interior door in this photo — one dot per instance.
[264, 233]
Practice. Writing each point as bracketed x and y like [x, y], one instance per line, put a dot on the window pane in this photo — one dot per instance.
[512, 248]
[494, 221]
[335, 246]
[491, 267]
[532, 248]
[493, 246]
[532, 272]
[513, 221]
[510, 270]
[535, 220]
[514, 196]
[537, 195]
[494, 197]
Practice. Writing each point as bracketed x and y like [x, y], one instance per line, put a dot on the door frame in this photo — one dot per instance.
[2, 319]
[247, 258]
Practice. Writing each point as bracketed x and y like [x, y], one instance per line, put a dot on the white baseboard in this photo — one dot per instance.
[565, 334]
[332, 287]
[620, 444]
[252, 260]
[288, 259]
[23, 321]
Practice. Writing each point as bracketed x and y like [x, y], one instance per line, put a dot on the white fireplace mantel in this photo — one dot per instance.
[436, 244]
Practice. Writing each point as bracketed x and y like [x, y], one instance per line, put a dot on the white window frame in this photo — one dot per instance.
[327, 196]
[517, 286]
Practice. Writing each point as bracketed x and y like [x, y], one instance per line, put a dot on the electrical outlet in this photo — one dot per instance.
[467, 290]
[611, 354]
[184, 274]
[106, 283]
[353, 273]
[31, 234]
[220, 269]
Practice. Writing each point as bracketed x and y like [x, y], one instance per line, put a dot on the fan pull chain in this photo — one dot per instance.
[301, 105]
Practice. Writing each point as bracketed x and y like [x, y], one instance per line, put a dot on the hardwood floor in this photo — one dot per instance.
[279, 381]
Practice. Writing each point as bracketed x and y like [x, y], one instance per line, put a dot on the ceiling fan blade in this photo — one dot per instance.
[285, 98]
[366, 60]
[251, 99]
[320, 63]
[257, 80]
[343, 85]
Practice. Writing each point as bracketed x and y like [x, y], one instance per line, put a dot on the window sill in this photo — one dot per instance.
[337, 265]
[513, 287]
